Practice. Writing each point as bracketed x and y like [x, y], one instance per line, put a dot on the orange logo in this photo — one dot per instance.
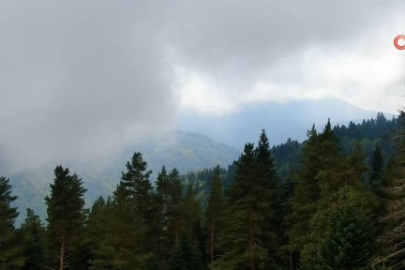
[397, 39]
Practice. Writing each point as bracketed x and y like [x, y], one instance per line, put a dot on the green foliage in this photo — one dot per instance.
[65, 218]
[306, 194]
[247, 240]
[348, 244]
[392, 248]
[33, 234]
[131, 217]
[320, 214]
[185, 256]
[377, 166]
[11, 256]
[214, 214]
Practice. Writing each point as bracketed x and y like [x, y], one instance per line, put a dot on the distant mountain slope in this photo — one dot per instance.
[186, 151]
[281, 121]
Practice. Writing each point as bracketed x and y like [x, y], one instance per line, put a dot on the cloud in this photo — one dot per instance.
[287, 50]
[79, 79]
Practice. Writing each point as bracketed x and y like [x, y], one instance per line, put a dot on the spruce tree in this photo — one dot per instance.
[175, 212]
[329, 180]
[11, 256]
[115, 250]
[215, 213]
[248, 212]
[306, 194]
[377, 167]
[185, 256]
[392, 246]
[65, 218]
[270, 182]
[129, 242]
[96, 227]
[33, 234]
[348, 244]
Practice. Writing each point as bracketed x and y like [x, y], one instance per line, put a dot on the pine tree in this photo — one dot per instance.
[329, 179]
[65, 217]
[11, 256]
[129, 242]
[247, 214]
[175, 212]
[377, 166]
[192, 212]
[215, 212]
[391, 240]
[348, 244]
[306, 194]
[270, 183]
[33, 234]
[115, 250]
[185, 256]
[97, 227]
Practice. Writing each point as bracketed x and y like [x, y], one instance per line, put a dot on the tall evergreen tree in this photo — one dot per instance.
[377, 166]
[11, 256]
[329, 180]
[215, 213]
[248, 212]
[306, 194]
[65, 217]
[175, 212]
[392, 252]
[270, 183]
[97, 225]
[129, 242]
[33, 234]
[348, 244]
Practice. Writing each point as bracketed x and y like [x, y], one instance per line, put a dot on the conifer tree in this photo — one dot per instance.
[97, 230]
[185, 256]
[306, 194]
[33, 234]
[65, 217]
[348, 244]
[270, 183]
[11, 256]
[392, 252]
[192, 212]
[215, 212]
[115, 250]
[329, 180]
[377, 166]
[248, 212]
[175, 211]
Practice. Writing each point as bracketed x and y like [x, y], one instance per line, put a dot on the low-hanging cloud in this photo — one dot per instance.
[79, 79]
[286, 50]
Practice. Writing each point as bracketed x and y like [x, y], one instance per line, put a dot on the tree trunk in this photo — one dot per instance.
[62, 255]
[251, 241]
[212, 243]
[176, 232]
[291, 260]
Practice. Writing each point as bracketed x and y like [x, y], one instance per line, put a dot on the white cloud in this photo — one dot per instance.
[367, 71]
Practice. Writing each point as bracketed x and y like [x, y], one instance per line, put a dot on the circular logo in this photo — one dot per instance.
[396, 42]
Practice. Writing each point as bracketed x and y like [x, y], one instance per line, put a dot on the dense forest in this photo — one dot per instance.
[334, 201]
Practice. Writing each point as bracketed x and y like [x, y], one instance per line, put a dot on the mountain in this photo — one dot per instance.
[186, 151]
[281, 121]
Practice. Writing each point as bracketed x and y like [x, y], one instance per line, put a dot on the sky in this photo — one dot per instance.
[81, 79]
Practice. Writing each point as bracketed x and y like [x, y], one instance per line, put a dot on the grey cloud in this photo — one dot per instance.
[77, 78]
[80, 77]
[242, 39]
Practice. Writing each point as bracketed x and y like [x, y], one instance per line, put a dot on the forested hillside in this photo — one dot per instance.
[184, 151]
[334, 201]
